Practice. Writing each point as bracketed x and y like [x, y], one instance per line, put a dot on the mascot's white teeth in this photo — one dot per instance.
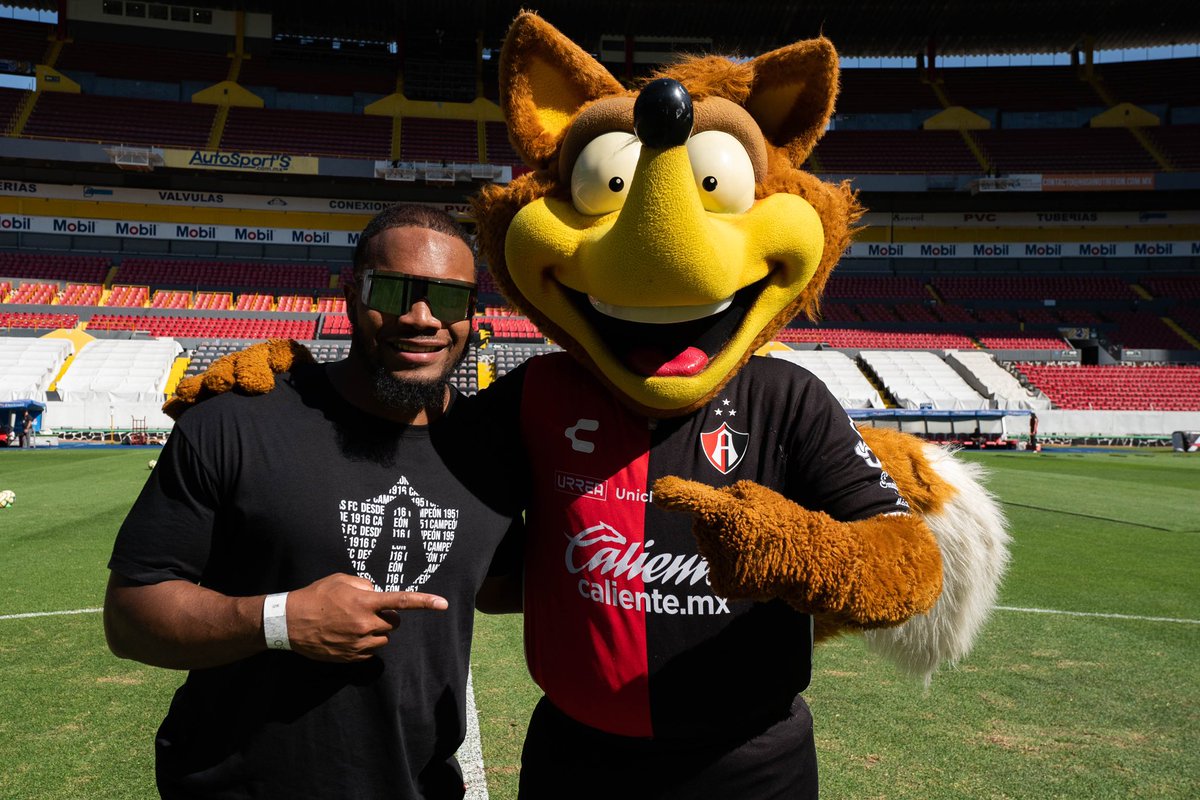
[660, 315]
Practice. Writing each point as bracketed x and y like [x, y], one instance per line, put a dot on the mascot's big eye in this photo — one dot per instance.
[724, 174]
[600, 180]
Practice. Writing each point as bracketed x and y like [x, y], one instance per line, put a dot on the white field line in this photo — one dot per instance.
[997, 608]
[51, 613]
[1097, 614]
[470, 755]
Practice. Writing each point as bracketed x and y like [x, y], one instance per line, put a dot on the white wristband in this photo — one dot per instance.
[275, 622]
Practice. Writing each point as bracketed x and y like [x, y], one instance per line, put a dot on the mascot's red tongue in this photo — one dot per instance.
[654, 362]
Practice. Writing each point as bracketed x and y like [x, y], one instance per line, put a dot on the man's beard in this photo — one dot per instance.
[410, 396]
[399, 393]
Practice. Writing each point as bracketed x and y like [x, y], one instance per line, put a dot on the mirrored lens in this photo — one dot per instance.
[449, 301]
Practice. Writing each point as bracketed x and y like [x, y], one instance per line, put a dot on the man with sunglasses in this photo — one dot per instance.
[313, 555]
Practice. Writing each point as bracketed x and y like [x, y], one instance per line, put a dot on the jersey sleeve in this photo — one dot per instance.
[830, 467]
[168, 532]
[498, 414]
[510, 554]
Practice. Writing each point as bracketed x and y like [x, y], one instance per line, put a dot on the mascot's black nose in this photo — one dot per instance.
[662, 114]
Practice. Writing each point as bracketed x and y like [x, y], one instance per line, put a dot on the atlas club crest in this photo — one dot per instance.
[724, 447]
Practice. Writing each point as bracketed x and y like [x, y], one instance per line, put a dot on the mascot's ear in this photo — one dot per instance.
[544, 79]
[793, 93]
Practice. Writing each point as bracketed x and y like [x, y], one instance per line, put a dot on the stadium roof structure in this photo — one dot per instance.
[864, 28]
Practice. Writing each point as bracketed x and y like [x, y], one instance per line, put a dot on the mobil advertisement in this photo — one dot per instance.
[135, 229]
[972, 250]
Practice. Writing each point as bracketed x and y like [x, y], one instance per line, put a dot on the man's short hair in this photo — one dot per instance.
[407, 215]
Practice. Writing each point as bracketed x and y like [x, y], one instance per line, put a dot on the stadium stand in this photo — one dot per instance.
[35, 294]
[331, 305]
[849, 152]
[109, 370]
[171, 298]
[1049, 88]
[213, 301]
[1064, 150]
[508, 327]
[294, 303]
[253, 302]
[884, 91]
[448, 140]
[312, 71]
[253, 328]
[1023, 343]
[870, 339]
[1033, 287]
[327, 133]
[856, 287]
[221, 274]
[86, 56]
[507, 357]
[838, 372]
[994, 381]
[1136, 329]
[128, 297]
[29, 366]
[81, 294]
[120, 120]
[29, 321]
[921, 380]
[23, 40]
[333, 325]
[54, 266]
[499, 149]
[1116, 387]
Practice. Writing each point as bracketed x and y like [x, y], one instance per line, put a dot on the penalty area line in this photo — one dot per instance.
[1097, 614]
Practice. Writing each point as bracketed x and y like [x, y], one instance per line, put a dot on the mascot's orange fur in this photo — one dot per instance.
[680, 209]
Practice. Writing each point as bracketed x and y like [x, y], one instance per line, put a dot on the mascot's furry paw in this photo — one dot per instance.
[972, 535]
[881, 574]
[250, 371]
[760, 545]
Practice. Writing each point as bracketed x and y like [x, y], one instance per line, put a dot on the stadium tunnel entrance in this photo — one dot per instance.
[11, 412]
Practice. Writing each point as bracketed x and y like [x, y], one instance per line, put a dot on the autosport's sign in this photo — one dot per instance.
[240, 162]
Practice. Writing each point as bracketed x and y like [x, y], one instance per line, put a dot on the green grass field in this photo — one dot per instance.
[1098, 700]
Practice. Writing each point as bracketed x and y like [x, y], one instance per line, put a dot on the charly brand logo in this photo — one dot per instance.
[724, 446]
[578, 443]
[398, 539]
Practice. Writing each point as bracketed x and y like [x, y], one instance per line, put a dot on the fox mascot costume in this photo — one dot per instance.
[663, 235]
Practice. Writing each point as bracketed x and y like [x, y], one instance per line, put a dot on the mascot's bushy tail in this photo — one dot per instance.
[972, 535]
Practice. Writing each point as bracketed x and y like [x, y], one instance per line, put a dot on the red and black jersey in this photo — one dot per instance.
[622, 629]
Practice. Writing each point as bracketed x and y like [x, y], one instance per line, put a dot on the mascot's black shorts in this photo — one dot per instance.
[563, 758]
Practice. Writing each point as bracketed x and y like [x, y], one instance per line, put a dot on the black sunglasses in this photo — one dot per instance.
[394, 293]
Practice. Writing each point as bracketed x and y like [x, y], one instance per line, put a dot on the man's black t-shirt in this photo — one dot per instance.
[622, 630]
[268, 494]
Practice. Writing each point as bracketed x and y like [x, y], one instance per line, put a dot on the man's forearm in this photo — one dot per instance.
[180, 625]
